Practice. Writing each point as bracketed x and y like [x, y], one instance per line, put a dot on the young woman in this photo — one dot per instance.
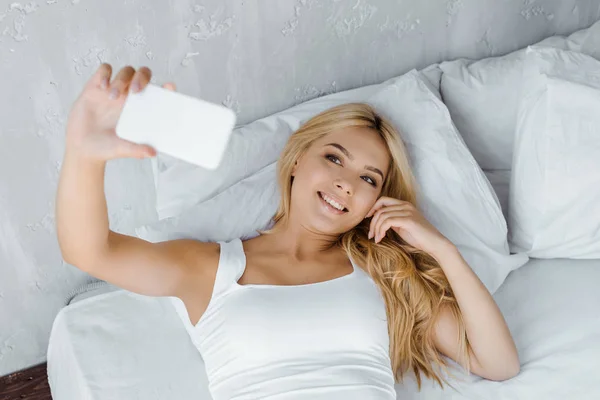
[349, 289]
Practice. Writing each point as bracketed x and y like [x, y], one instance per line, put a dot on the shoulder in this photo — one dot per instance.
[199, 257]
[200, 261]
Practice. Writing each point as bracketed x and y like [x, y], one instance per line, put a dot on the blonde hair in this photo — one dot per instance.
[411, 281]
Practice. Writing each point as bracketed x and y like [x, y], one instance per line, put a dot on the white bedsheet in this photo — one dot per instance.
[120, 345]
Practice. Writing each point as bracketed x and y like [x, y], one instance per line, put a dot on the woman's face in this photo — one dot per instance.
[347, 166]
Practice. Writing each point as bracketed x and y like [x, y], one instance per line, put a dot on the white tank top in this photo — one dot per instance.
[326, 340]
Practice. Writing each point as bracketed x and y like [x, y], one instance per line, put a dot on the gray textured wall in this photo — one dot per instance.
[256, 57]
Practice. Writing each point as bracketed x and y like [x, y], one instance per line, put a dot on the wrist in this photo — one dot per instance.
[76, 155]
[444, 249]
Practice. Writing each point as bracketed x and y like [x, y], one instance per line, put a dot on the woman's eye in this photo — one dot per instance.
[370, 180]
[330, 156]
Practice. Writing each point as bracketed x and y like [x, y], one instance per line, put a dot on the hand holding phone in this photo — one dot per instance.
[188, 128]
[90, 130]
[137, 123]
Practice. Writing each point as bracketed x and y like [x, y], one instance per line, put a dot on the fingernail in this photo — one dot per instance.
[135, 86]
[114, 93]
[369, 236]
[104, 83]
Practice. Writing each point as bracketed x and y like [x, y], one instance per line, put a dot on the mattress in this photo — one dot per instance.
[109, 343]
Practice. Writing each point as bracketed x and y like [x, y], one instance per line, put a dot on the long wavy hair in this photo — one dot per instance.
[411, 281]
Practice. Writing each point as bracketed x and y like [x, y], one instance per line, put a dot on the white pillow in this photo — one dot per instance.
[554, 200]
[483, 96]
[454, 194]
[500, 181]
[253, 146]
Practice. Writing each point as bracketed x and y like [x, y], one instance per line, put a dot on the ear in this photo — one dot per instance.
[294, 168]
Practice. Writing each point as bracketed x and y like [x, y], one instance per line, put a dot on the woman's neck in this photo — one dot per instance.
[300, 243]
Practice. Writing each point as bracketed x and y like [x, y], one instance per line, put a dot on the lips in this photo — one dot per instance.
[345, 210]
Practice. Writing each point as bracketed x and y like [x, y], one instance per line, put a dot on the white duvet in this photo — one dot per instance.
[121, 345]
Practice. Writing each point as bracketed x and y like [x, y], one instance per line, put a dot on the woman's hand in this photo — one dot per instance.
[408, 222]
[94, 115]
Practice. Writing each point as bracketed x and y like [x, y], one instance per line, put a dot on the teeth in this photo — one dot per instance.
[332, 202]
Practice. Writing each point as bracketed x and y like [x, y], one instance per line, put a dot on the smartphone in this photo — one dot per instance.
[184, 127]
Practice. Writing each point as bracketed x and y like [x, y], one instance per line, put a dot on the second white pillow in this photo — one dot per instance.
[554, 200]
[483, 96]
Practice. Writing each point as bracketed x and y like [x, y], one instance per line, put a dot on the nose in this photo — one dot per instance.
[345, 186]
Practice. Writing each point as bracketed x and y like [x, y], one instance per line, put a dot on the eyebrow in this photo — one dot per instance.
[347, 153]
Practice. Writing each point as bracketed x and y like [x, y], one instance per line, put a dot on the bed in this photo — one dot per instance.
[109, 343]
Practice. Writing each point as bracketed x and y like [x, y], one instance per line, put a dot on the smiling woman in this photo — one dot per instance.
[346, 158]
[344, 170]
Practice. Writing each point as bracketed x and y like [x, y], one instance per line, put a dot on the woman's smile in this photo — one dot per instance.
[329, 207]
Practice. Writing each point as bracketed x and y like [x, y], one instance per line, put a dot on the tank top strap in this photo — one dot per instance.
[231, 265]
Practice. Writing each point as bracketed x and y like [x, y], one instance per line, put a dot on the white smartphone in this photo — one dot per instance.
[185, 127]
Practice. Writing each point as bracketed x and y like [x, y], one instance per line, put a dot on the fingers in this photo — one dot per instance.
[387, 223]
[127, 78]
[134, 150]
[376, 221]
[380, 214]
[102, 76]
[381, 222]
[383, 201]
[170, 86]
[140, 79]
[121, 82]
[382, 227]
